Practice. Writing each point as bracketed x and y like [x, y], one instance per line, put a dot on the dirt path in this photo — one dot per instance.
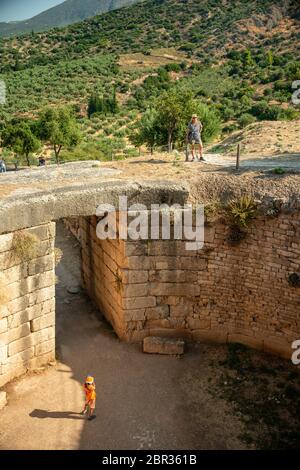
[291, 162]
[144, 401]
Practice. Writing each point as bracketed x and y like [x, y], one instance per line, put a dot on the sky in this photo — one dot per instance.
[16, 10]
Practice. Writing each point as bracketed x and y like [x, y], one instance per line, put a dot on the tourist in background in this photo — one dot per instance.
[193, 137]
[2, 166]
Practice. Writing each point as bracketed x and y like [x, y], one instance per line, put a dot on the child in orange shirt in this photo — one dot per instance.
[90, 397]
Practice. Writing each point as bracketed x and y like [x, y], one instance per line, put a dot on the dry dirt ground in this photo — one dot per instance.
[211, 398]
[264, 139]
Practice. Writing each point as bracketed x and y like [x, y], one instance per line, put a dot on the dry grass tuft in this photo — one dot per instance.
[25, 245]
[58, 254]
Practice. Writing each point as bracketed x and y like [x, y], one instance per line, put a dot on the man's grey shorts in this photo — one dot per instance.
[195, 141]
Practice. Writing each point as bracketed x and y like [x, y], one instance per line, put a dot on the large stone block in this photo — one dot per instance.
[155, 313]
[3, 325]
[42, 335]
[46, 347]
[20, 345]
[40, 265]
[43, 360]
[172, 275]
[17, 333]
[13, 321]
[182, 289]
[134, 277]
[198, 323]
[14, 274]
[17, 305]
[134, 315]
[3, 400]
[43, 322]
[43, 232]
[41, 295]
[157, 345]
[135, 290]
[21, 358]
[139, 302]
[183, 308]
[138, 248]
[138, 262]
[3, 353]
[6, 242]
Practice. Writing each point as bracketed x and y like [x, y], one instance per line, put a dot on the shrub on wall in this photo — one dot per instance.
[241, 211]
[24, 245]
[239, 214]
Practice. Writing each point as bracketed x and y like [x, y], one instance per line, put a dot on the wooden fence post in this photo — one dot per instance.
[237, 166]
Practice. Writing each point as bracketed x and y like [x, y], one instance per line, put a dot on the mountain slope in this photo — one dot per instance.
[202, 28]
[68, 12]
[239, 57]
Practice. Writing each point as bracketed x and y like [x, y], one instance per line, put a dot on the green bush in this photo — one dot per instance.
[245, 119]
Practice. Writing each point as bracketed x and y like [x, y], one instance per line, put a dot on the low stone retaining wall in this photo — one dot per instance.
[27, 300]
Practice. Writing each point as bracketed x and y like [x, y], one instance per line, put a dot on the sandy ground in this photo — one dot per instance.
[143, 401]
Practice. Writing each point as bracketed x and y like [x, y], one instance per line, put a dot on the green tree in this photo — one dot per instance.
[58, 126]
[171, 108]
[209, 118]
[103, 105]
[175, 109]
[248, 60]
[270, 57]
[147, 130]
[20, 139]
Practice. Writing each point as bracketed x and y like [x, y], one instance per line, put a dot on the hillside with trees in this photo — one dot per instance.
[132, 77]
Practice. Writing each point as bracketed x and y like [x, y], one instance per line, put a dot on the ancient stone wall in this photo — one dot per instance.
[224, 292]
[247, 292]
[27, 300]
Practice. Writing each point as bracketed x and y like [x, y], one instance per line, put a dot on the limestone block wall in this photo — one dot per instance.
[224, 292]
[27, 300]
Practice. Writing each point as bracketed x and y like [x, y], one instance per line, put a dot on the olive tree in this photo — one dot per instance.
[58, 126]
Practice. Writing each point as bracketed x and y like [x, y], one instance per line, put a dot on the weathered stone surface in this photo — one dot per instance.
[3, 325]
[3, 400]
[21, 358]
[139, 302]
[134, 277]
[136, 290]
[81, 199]
[180, 289]
[46, 347]
[19, 345]
[3, 353]
[216, 294]
[43, 322]
[157, 345]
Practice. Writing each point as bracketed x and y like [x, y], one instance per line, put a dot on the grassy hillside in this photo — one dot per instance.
[239, 58]
[70, 11]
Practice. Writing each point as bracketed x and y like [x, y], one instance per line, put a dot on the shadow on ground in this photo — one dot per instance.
[42, 414]
[143, 401]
